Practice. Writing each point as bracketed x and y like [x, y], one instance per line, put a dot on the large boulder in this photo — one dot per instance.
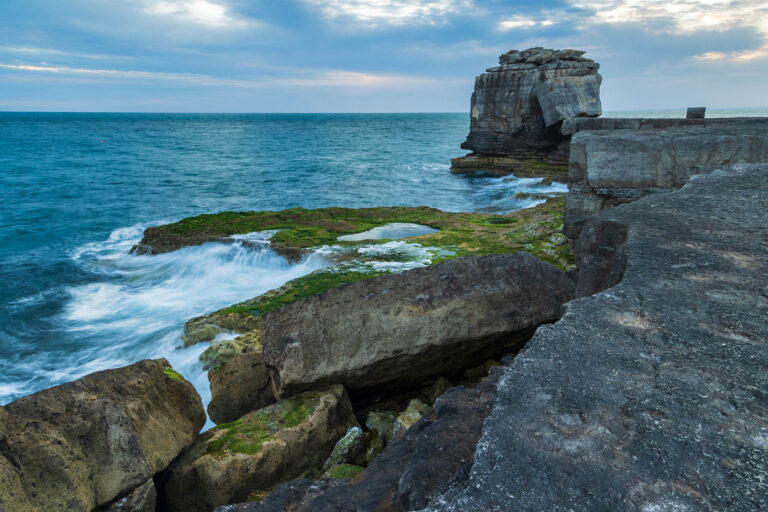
[244, 459]
[238, 386]
[83, 444]
[141, 499]
[652, 394]
[403, 329]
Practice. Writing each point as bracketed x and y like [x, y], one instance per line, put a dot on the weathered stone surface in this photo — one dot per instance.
[350, 449]
[403, 329]
[415, 466]
[141, 499]
[611, 167]
[235, 461]
[83, 444]
[652, 394]
[517, 107]
[240, 385]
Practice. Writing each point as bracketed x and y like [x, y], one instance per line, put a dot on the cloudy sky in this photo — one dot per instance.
[366, 55]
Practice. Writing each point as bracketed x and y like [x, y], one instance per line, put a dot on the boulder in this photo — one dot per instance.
[650, 395]
[83, 444]
[238, 386]
[609, 167]
[248, 457]
[405, 329]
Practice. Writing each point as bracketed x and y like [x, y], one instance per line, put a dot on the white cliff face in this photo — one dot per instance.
[517, 106]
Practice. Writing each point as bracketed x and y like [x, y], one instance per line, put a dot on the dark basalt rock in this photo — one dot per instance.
[404, 329]
[415, 466]
[650, 395]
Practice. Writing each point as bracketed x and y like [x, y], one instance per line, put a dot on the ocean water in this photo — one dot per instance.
[77, 190]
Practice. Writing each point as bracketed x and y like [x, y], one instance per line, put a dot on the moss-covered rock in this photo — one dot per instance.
[343, 471]
[349, 449]
[381, 422]
[409, 417]
[235, 461]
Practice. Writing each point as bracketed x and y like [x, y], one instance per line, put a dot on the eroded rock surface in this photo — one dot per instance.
[650, 395]
[83, 444]
[240, 385]
[402, 329]
[612, 167]
[244, 459]
[517, 107]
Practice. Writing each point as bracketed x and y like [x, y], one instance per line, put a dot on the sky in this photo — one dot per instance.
[366, 55]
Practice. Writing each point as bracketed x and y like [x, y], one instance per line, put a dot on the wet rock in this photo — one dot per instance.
[83, 444]
[651, 394]
[381, 422]
[238, 386]
[286, 497]
[243, 459]
[349, 449]
[141, 499]
[409, 328]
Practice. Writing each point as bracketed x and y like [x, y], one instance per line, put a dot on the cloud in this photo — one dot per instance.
[24, 50]
[310, 78]
[680, 16]
[523, 22]
[374, 13]
[201, 12]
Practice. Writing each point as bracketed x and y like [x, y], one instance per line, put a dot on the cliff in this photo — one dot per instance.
[518, 107]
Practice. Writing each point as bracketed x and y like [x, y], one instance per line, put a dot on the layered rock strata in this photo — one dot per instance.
[83, 444]
[403, 329]
[609, 167]
[517, 109]
[649, 395]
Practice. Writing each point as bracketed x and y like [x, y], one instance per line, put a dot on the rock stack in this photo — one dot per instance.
[518, 107]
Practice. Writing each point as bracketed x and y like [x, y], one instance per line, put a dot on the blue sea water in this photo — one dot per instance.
[77, 190]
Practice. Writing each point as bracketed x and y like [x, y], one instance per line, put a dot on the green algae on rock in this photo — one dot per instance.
[536, 230]
[289, 439]
[343, 471]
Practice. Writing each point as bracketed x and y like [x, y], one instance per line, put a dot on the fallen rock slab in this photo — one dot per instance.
[650, 395]
[83, 444]
[403, 329]
[244, 459]
[239, 386]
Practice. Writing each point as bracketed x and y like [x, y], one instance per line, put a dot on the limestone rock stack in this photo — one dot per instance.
[518, 107]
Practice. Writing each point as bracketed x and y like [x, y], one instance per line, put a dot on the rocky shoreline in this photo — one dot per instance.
[603, 351]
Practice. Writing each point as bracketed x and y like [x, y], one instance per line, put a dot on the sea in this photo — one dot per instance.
[78, 189]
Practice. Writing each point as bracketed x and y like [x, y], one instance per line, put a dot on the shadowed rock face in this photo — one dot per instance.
[517, 107]
[614, 166]
[80, 445]
[404, 329]
[652, 394]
